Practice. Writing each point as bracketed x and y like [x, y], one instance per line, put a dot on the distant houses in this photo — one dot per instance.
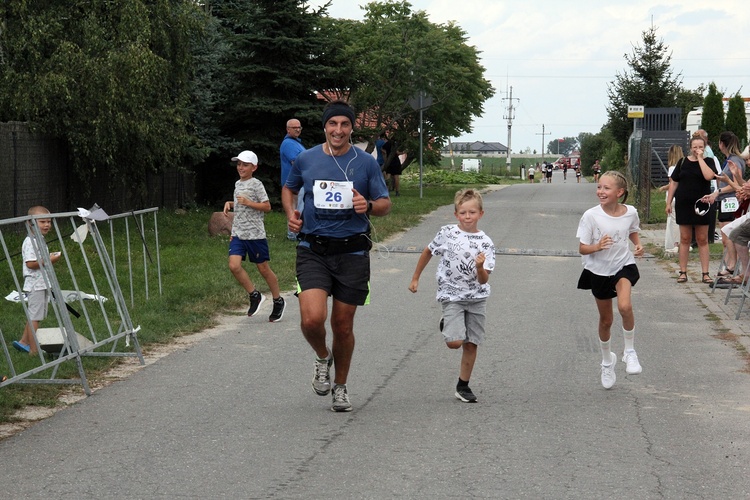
[476, 148]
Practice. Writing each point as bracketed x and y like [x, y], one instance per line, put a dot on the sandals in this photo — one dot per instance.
[707, 279]
[736, 280]
[682, 278]
[726, 273]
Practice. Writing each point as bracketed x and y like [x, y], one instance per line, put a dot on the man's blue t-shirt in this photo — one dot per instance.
[314, 166]
[379, 149]
[288, 151]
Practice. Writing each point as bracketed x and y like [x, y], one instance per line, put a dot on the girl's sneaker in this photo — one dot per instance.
[632, 366]
[608, 373]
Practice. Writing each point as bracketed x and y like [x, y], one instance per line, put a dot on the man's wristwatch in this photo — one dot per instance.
[369, 207]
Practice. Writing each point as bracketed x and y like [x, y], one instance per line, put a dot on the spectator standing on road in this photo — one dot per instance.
[291, 147]
[708, 153]
[725, 197]
[738, 231]
[343, 188]
[249, 235]
[609, 268]
[531, 174]
[597, 168]
[691, 183]
[467, 257]
[672, 233]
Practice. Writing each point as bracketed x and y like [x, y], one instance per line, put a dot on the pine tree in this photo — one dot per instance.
[649, 83]
[275, 64]
[712, 119]
[736, 119]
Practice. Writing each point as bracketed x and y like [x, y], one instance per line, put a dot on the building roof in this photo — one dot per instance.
[479, 147]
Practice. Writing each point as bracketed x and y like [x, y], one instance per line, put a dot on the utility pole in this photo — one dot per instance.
[543, 134]
[509, 116]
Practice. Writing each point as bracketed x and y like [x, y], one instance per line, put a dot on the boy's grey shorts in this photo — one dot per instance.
[36, 302]
[464, 320]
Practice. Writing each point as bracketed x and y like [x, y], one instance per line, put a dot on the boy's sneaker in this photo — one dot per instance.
[630, 358]
[256, 299]
[278, 310]
[340, 399]
[21, 347]
[321, 382]
[464, 394]
[608, 373]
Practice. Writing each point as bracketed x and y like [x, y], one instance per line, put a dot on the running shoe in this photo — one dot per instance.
[340, 398]
[632, 366]
[278, 310]
[321, 382]
[608, 373]
[256, 299]
[464, 394]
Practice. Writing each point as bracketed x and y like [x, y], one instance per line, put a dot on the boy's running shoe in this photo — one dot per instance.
[256, 299]
[278, 310]
[464, 394]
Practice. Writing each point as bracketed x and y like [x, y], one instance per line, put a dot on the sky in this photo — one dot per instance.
[559, 58]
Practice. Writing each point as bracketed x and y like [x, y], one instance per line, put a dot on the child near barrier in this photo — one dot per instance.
[35, 286]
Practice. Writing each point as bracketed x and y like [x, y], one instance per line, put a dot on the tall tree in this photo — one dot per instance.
[108, 78]
[649, 83]
[276, 62]
[712, 119]
[736, 119]
[395, 54]
[563, 146]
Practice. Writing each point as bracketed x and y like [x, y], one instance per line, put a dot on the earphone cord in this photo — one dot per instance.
[381, 249]
[343, 171]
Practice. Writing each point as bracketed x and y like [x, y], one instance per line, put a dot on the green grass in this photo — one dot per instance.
[197, 285]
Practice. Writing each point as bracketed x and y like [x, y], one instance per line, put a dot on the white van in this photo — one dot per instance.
[471, 165]
[694, 117]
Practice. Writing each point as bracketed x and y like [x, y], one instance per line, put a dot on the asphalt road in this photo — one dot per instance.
[234, 416]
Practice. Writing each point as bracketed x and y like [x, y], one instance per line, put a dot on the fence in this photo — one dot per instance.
[648, 164]
[84, 285]
[34, 170]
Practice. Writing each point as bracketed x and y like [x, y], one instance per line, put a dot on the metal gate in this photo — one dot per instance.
[88, 314]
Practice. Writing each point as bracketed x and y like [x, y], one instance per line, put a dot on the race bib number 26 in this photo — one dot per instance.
[333, 195]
